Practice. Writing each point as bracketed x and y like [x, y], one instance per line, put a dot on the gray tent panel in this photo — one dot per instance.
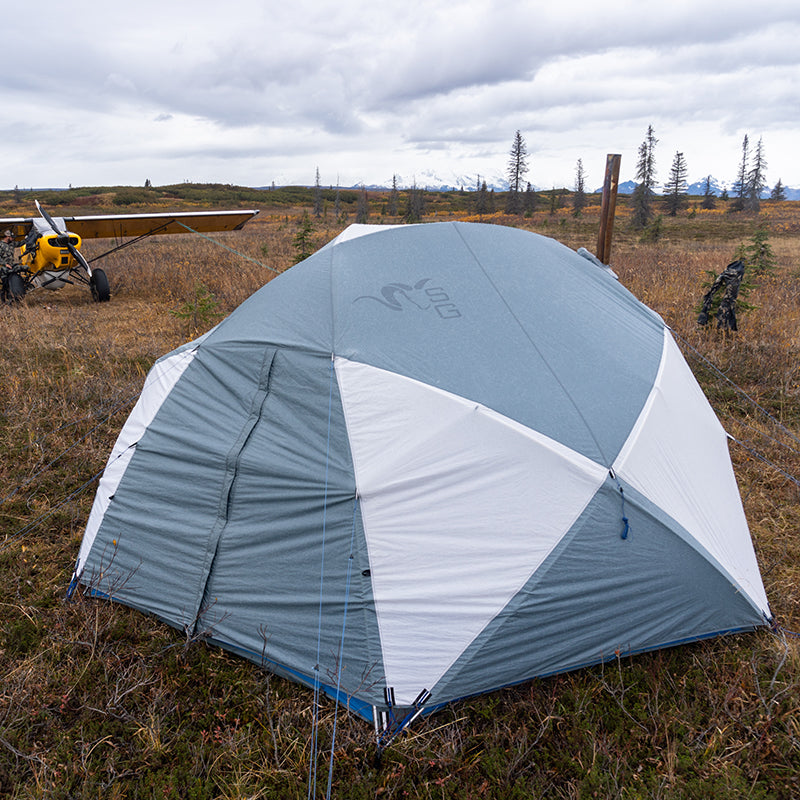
[293, 310]
[574, 355]
[294, 485]
[420, 300]
[603, 344]
[174, 492]
[599, 594]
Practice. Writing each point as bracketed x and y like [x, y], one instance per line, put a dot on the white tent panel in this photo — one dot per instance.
[356, 230]
[158, 384]
[677, 456]
[460, 506]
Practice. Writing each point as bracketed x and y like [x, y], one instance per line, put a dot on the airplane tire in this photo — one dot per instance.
[101, 292]
[14, 288]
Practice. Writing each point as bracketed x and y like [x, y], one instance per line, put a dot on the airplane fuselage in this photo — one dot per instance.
[49, 259]
[50, 253]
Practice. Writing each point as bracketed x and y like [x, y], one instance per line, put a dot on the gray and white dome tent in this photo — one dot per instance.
[427, 462]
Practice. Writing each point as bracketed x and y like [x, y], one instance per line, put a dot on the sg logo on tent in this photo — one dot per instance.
[401, 297]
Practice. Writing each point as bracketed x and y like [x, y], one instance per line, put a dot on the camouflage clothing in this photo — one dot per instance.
[730, 278]
[8, 263]
[7, 257]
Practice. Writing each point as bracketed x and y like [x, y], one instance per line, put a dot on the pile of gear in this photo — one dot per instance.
[729, 280]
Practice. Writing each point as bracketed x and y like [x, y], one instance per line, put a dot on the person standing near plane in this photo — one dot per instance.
[6, 251]
[7, 264]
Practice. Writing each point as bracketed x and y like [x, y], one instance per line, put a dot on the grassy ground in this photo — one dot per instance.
[100, 701]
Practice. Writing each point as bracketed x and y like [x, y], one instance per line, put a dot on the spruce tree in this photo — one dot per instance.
[415, 204]
[756, 180]
[740, 185]
[709, 198]
[778, 191]
[675, 195]
[517, 168]
[513, 202]
[758, 254]
[481, 200]
[302, 241]
[317, 197]
[362, 206]
[556, 199]
[641, 199]
[646, 166]
[529, 201]
[393, 197]
[579, 197]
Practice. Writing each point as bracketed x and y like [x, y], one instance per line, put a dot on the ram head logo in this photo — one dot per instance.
[398, 296]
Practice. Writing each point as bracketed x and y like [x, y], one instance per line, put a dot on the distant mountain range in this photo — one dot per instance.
[433, 182]
[717, 187]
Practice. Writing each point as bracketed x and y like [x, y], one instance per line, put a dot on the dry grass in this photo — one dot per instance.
[98, 700]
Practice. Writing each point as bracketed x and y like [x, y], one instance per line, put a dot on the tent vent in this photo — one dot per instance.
[625, 524]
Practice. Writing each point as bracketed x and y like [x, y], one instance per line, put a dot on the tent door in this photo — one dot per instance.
[259, 398]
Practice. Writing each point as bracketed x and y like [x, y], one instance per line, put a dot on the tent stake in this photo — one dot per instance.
[610, 184]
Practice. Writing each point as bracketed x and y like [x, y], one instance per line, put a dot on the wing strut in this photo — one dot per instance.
[133, 241]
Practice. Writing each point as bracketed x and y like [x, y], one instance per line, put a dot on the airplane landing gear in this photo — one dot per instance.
[13, 289]
[101, 291]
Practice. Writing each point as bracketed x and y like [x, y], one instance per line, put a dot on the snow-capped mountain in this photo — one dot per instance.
[437, 182]
[698, 188]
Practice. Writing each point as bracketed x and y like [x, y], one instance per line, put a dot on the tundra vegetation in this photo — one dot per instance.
[97, 700]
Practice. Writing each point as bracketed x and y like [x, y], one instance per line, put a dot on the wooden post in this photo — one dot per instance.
[608, 207]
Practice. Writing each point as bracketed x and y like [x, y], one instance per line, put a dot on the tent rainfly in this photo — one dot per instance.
[427, 462]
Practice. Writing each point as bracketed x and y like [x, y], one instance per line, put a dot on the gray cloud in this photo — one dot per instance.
[394, 87]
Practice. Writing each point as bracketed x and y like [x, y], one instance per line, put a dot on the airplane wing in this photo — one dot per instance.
[124, 225]
[19, 227]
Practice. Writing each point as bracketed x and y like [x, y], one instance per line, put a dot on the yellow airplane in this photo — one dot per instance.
[50, 254]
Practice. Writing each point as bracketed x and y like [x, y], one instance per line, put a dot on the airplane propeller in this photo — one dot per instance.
[51, 246]
[76, 254]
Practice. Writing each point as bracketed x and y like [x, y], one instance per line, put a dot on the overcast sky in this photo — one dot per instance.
[255, 91]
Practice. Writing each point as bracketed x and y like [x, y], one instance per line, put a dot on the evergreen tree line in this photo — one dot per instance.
[522, 199]
[748, 188]
[750, 182]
